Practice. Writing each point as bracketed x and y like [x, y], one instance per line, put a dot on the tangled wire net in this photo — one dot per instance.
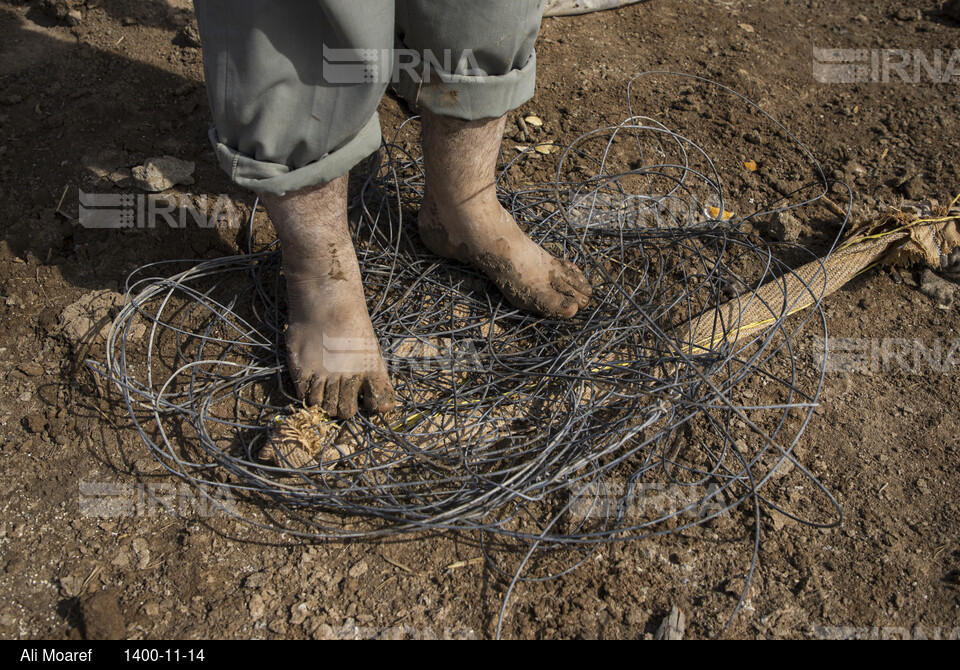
[540, 431]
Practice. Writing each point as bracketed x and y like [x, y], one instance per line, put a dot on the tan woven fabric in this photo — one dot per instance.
[916, 232]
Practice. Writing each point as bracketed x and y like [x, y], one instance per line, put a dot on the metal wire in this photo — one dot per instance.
[537, 431]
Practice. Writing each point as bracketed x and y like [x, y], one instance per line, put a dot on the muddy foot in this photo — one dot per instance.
[333, 353]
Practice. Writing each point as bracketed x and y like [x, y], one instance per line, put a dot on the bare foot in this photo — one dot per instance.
[461, 218]
[333, 353]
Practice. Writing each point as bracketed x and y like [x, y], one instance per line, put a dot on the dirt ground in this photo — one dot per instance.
[86, 95]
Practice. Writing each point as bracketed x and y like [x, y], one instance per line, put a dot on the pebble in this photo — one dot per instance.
[913, 188]
[785, 226]
[256, 607]
[942, 291]
[89, 317]
[673, 625]
[299, 613]
[189, 36]
[31, 369]
[853, 170]
[102, 619]
[35, 422]
[160, 174]
[907, 14]
[255, 581]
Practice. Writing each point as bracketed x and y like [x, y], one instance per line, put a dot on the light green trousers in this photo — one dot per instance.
[294, 85]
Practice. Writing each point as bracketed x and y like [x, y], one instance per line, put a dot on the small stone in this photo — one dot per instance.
[256, 607]
[785, 226]
[299, 613]
[71, 585]
[907, 14]
[673, 625]
[753, 137]
[189, 36]
[913, 188]
[15, 565]
[853, 170]
[102, 619]
[160, 174]
[35, 422]
[358, 570]
[74, 17]
[255, 581]
[89, 318]
[942, 291]
[140, 548]
[31, 369]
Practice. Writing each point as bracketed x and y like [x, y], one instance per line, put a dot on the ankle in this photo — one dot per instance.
[455, 208]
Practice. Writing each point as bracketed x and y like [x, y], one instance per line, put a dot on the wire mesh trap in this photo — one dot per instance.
[697, 365]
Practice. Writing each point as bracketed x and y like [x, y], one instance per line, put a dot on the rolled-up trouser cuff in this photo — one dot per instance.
[469, 97]
[279, 179]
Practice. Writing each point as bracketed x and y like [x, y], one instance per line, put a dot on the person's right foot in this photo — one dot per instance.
[333, 353]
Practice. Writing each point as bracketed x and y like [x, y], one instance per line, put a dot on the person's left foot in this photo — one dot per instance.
[461, 218]
[491, 241]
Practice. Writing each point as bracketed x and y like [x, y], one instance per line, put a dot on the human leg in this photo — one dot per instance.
[283, 129]
[462, 219]
[487, 47]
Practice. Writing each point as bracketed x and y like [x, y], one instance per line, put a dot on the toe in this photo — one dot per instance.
[569, 295]
[349, 390]
[577, 279]
[566, 288]
[378, 394]
[582, 299]
[316, 391]
[558, 305]
[331, 396]
[568, 308]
